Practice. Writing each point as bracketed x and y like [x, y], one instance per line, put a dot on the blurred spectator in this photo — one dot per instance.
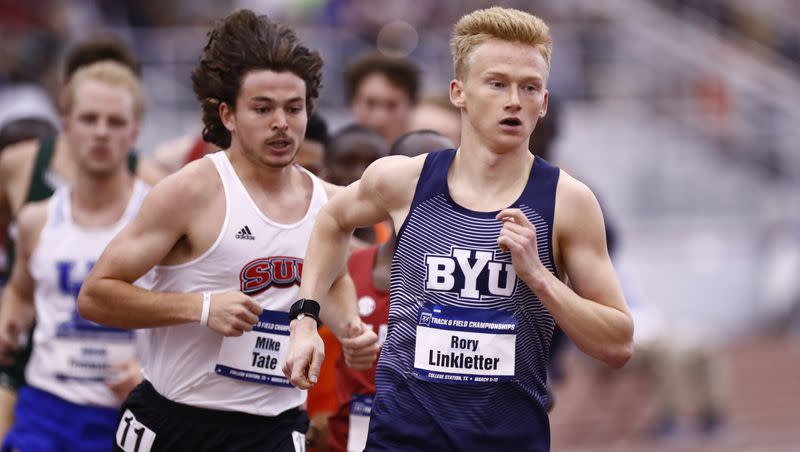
[381, 92]
[350, 151]
[716, 108]
[691, 381]
[772, 24]
[779, 292]
[420, 142]
[33, 36]
[546, 131]
[311, 154]
[99, 48]
[788, 43]
[439, 114]
[173, 154]
[26, 113]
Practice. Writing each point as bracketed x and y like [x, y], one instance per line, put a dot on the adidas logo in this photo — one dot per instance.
[245, 234]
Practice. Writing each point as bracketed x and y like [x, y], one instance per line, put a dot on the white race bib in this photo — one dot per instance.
[132, 435]
[258, 355]
[299, 441]
[465, 346]
[88, 352]
[360, 410]
[88, 360]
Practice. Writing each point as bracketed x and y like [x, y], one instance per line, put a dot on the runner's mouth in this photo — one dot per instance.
[511, 122]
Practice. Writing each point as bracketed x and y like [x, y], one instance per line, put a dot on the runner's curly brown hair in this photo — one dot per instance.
[244, 42]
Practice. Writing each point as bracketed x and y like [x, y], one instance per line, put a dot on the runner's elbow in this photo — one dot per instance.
[330, 224]
[89, 303]
[619, 355]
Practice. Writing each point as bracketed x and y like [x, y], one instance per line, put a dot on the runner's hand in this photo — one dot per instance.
[360, 348]
[305, 355]
[519, 237]
[9, 341]
[232, 313]
[127, 375]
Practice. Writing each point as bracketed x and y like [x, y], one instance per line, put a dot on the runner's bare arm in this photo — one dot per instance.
[17, 307]
[384, 191]
[16, 164]
[5, 201]
[340, 313]
[340, 309]
[594, 315]
[171, 155]
[108, 295]
[150, 171]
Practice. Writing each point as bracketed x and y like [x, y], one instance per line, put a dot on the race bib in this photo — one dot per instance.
[258, 355]
[465, 346]
[132, 435]
[360, 410]
[85, 351]
[299, 441]
[85, 360]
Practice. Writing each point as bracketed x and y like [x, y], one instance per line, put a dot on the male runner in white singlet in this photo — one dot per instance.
[225, 237]
[79, 371]
[486, 237]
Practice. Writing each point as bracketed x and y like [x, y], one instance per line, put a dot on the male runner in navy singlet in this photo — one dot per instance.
[487, 237]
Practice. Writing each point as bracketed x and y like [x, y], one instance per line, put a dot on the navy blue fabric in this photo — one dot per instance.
[46, 423]
[412, 414]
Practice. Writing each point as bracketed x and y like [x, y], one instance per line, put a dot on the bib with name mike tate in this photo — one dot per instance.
[266, 361]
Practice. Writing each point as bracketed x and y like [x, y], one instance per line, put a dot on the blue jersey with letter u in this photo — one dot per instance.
[464, 363]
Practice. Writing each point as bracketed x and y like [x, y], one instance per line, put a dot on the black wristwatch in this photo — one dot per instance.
[305, 307]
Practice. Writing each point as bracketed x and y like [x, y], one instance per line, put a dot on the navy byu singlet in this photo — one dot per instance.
[464, 365]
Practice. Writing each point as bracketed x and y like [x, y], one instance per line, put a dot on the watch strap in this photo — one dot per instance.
[306, 306]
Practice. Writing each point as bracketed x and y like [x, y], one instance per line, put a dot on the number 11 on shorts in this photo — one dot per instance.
[132, 435]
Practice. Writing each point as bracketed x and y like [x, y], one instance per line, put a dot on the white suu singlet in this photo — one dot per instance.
[192, 364]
